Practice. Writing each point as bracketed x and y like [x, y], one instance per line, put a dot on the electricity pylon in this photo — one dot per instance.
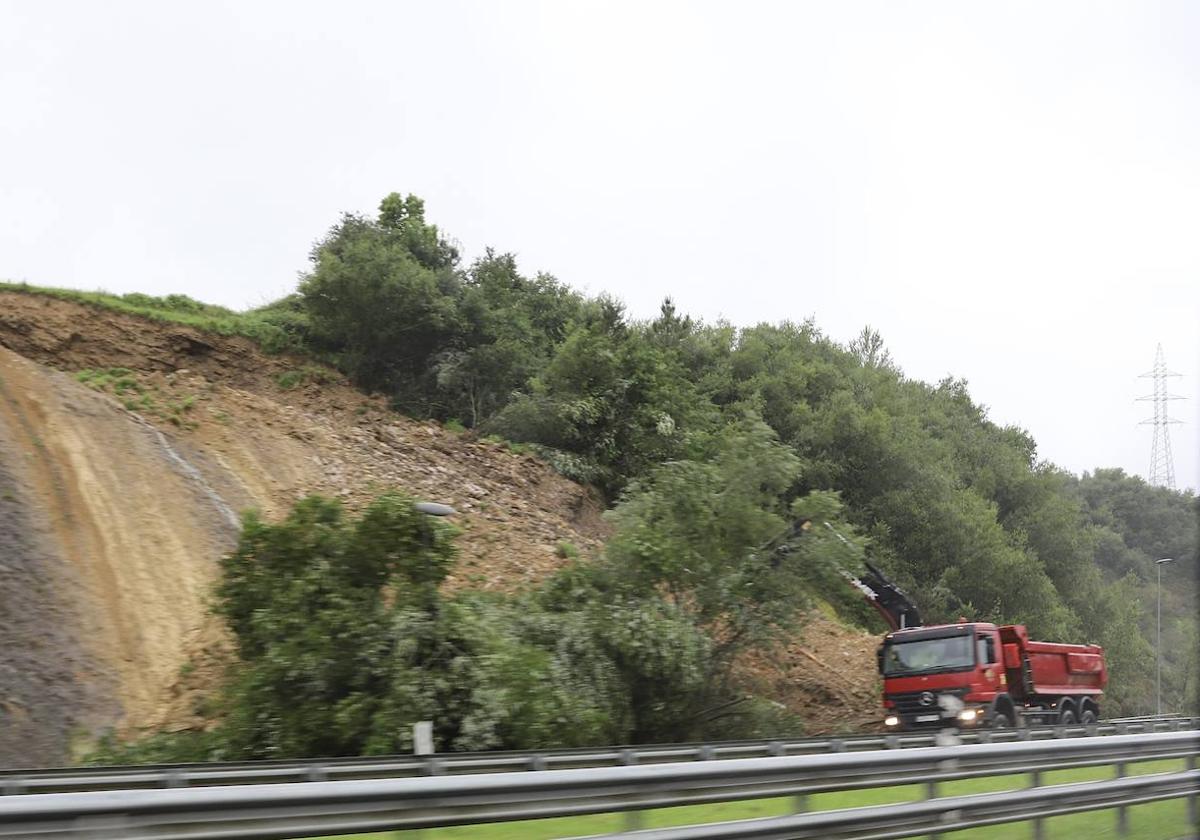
[1162, 465]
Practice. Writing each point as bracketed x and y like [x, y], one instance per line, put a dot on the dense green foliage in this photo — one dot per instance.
[386, 298]
[1134, 525]
[712, 441]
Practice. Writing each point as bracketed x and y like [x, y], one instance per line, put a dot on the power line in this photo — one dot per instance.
[1162, 465]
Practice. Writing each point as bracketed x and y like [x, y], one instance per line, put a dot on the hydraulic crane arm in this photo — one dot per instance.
[888, 599]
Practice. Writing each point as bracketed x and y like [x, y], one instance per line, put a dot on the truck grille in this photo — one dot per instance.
[912, 703]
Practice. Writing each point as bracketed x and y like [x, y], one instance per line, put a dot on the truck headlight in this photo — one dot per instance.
[891, 720]
[968, 715]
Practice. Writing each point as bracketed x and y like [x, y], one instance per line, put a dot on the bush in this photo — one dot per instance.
[314, 374]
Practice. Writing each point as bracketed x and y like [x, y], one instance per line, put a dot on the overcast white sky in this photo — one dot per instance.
[1009, 192]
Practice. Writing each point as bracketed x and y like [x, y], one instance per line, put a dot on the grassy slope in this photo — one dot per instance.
[1156, 821]
[273, 327]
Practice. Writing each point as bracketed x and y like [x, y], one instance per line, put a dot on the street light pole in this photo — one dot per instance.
[1158, 564]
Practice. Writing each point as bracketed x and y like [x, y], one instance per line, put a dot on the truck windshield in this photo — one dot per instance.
[921, 656]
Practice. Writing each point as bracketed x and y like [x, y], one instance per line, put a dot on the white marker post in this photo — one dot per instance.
[423, 737]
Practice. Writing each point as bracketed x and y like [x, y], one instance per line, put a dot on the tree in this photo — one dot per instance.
[691, 578]
[868, 347]
[613, 395]
[510, 327]
[324, 613]
[405, 217]
[692, 530]
[345, 641]
[382, 297]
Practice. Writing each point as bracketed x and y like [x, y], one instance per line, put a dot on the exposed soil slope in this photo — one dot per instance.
[118, 498]
[48, 685]
[827, 675]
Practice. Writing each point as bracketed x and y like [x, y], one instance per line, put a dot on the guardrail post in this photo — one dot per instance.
[800, 803]
[633, 819]
[1122, 811]
[1039, 827]
[1191, 800]
[931, 792]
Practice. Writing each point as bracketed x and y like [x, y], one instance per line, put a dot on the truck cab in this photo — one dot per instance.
[946, 675]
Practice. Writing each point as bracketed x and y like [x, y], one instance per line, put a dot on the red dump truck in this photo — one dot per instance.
[974, 674]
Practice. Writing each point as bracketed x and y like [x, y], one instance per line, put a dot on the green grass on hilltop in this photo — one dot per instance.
[1155, 821]
[278, 327]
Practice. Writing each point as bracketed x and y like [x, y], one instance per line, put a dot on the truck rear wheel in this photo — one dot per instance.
[1067, 717]
[1088, 717]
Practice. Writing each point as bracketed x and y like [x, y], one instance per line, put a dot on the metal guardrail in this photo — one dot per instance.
[1169, 716]
[62, 780]
[258, 812]
[936, 816]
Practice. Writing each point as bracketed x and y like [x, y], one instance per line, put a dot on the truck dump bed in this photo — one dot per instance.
[1050, 668]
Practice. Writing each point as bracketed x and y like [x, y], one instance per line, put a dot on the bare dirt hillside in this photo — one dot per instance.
[119, 493]
[826, 674]
[128, 449]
